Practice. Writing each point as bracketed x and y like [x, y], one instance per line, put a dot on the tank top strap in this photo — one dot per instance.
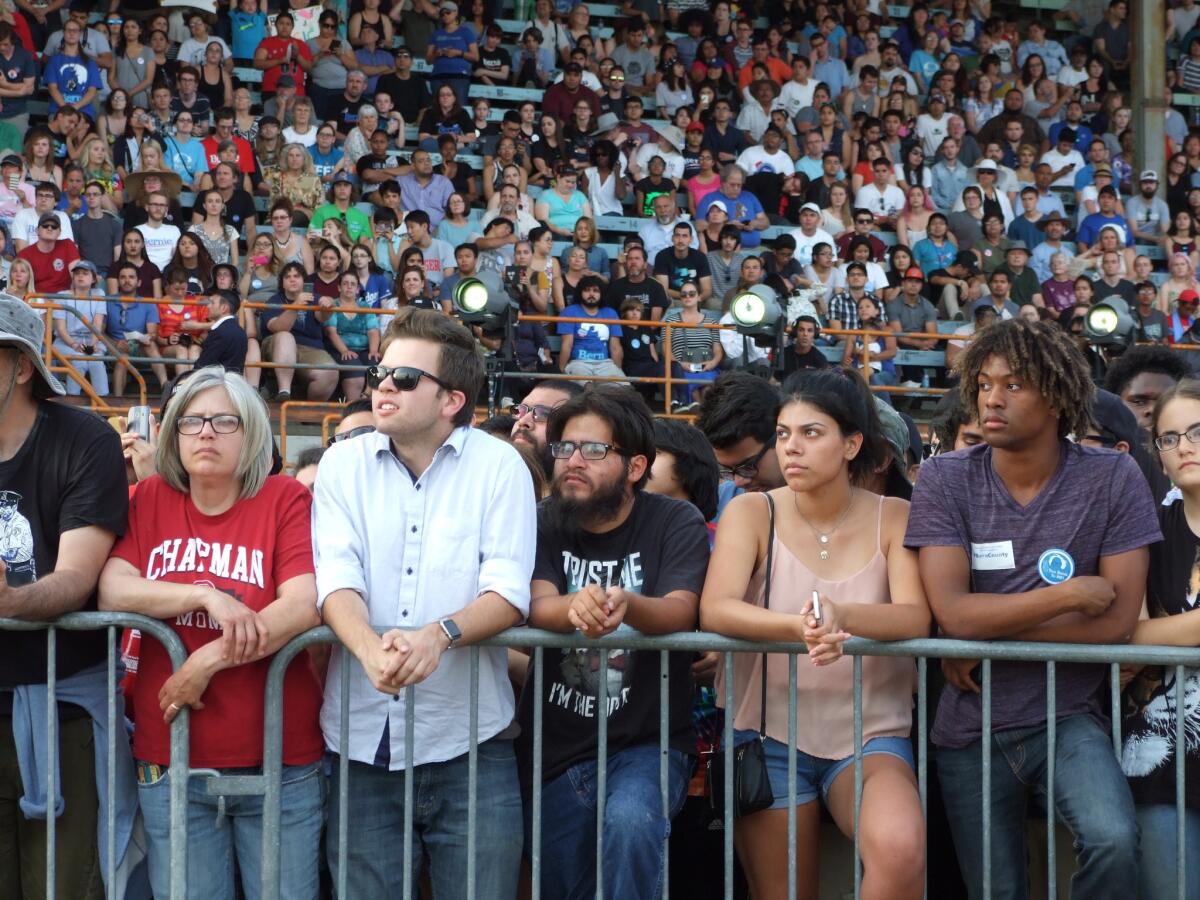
[879, 525]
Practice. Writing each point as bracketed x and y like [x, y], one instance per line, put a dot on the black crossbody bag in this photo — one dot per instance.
[751, 787]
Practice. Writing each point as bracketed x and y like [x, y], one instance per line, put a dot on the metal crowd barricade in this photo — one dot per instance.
[538, 641]
[179, 768]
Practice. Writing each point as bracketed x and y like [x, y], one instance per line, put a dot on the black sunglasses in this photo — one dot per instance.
[352, 433]
[405, 378]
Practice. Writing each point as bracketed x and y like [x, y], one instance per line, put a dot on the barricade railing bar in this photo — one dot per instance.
[536, 642]
[178, 769]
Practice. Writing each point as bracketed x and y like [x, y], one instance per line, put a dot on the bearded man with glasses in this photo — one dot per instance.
[533, 412]
[609, 555]
[427, 525]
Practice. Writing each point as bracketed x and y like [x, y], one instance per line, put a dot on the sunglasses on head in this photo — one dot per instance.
[405, 378]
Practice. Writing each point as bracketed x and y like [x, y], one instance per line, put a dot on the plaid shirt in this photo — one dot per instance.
[844, 309]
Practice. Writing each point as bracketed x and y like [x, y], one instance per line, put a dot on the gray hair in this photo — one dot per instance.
[254, 461]
[368, 110]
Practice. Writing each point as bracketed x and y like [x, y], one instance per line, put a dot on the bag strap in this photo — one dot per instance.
[762, 722]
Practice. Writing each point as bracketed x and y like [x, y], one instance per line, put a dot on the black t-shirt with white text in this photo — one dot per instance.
[494, 60]
[694, 265]
[648, 290]
[662, 547]
[68, 474]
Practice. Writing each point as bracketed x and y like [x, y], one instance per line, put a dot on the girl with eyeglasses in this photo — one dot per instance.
[110, 124]
[1150, 752]
[287, 246]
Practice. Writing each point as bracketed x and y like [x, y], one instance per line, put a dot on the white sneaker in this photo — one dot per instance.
[910, 384]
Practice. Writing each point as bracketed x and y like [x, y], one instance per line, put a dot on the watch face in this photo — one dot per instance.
[452, 630]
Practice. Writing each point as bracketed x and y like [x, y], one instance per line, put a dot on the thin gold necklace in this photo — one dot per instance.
[823, 537]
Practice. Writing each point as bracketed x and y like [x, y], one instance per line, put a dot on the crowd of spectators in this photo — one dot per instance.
[295, 189]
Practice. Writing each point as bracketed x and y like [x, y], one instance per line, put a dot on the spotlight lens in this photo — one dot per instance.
[1102, 320]
[471, 295]
[748, 309]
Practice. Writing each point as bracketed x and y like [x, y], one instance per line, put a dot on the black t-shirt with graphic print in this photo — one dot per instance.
[662, 547]
[68, 474]
[1148, 753]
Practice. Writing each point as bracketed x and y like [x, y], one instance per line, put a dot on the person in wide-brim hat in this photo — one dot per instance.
[169, 183]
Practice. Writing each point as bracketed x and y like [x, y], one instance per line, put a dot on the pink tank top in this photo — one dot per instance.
[824, 694]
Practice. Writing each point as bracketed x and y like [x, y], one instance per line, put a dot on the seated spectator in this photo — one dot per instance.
[563, 205]
[296, 180]
[874, 354]
[341, 197]
[290, 338]
[132, 326]
[353, 335]
[180, 321]
[222, 684]
[745, 211]
[79, 329]
[50, 255]
[697, 352]
[588, 349]
[226, 343]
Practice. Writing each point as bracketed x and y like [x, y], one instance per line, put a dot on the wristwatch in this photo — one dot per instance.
[451, 631]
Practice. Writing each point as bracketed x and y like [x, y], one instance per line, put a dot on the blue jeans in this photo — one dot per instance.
[683, 393]
[1091, 797]
[215, 839]
[1159, 860]
[375, 832]
[635, 829]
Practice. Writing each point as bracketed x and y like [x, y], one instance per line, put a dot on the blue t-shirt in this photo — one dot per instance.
[1083, 136]
[306, 329]
[461, 39]
[120, 319]
[930, 257]
[1097, 504]
[323, 163]
[248, 30]
[591, 341]
[1089, 229]
[74, 76]
[16, 70]
[377, 289]
[187, 158]
[743, 209]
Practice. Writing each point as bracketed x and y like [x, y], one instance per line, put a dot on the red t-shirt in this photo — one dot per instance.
[245, 154]
[247, 553]
[170, 321]
[276, 48]
[51, 271]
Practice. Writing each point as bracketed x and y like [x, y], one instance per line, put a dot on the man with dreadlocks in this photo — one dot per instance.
[1032, 537]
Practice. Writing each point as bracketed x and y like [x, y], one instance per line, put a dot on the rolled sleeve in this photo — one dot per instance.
[509, 535]
[336, 551]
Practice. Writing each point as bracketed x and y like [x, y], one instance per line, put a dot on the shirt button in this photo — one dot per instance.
[408, 571]
[418, 487]
[414, 528]
[404, 614]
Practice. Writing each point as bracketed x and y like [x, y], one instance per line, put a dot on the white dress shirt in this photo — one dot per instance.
[418, 551]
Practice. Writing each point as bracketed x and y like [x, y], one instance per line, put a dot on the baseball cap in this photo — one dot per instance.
[11, 159]
[1148, 175]
[856, 267]
[23, 328]
[967, 258]
[983, 303]
[1109, 413]
[811, 207]
[914, 272]
[342, 178]
[696, 126]
[285, 81]
[85, 264]
[48, 217]
[1188, 296]
[718, 204]
[895, 430]
[450, 5]
[936, 98]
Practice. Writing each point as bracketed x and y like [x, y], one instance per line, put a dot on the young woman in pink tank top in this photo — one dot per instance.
[835, 538]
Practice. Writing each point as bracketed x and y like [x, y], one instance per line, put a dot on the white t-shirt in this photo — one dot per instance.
[756, 159]
[1056, 161]
[308, 139]
[1069, 77]
[886, 202]
[877, 279]
[932, 132]
[795, 97]
[24, 225]
[160, 243]
[673, 161]
[191, 51]
[805, 244]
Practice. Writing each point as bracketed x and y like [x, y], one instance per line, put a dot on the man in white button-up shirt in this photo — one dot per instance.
[430, 525]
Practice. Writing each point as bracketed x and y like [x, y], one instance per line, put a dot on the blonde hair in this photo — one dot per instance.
[153, 145]
[254, 459]
[22, 264]
[306, 163]
[106, 170]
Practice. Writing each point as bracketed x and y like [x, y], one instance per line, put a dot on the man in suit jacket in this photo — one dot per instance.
[226, 341]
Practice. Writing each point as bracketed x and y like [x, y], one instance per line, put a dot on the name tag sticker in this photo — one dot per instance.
[993, 556]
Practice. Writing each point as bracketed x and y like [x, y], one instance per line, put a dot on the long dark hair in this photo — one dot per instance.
[844, 396]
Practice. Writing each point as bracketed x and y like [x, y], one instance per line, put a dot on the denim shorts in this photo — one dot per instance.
[813, 774]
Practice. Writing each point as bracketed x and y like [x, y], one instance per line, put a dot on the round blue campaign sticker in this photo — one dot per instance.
[1056, 566]
[635, 343]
